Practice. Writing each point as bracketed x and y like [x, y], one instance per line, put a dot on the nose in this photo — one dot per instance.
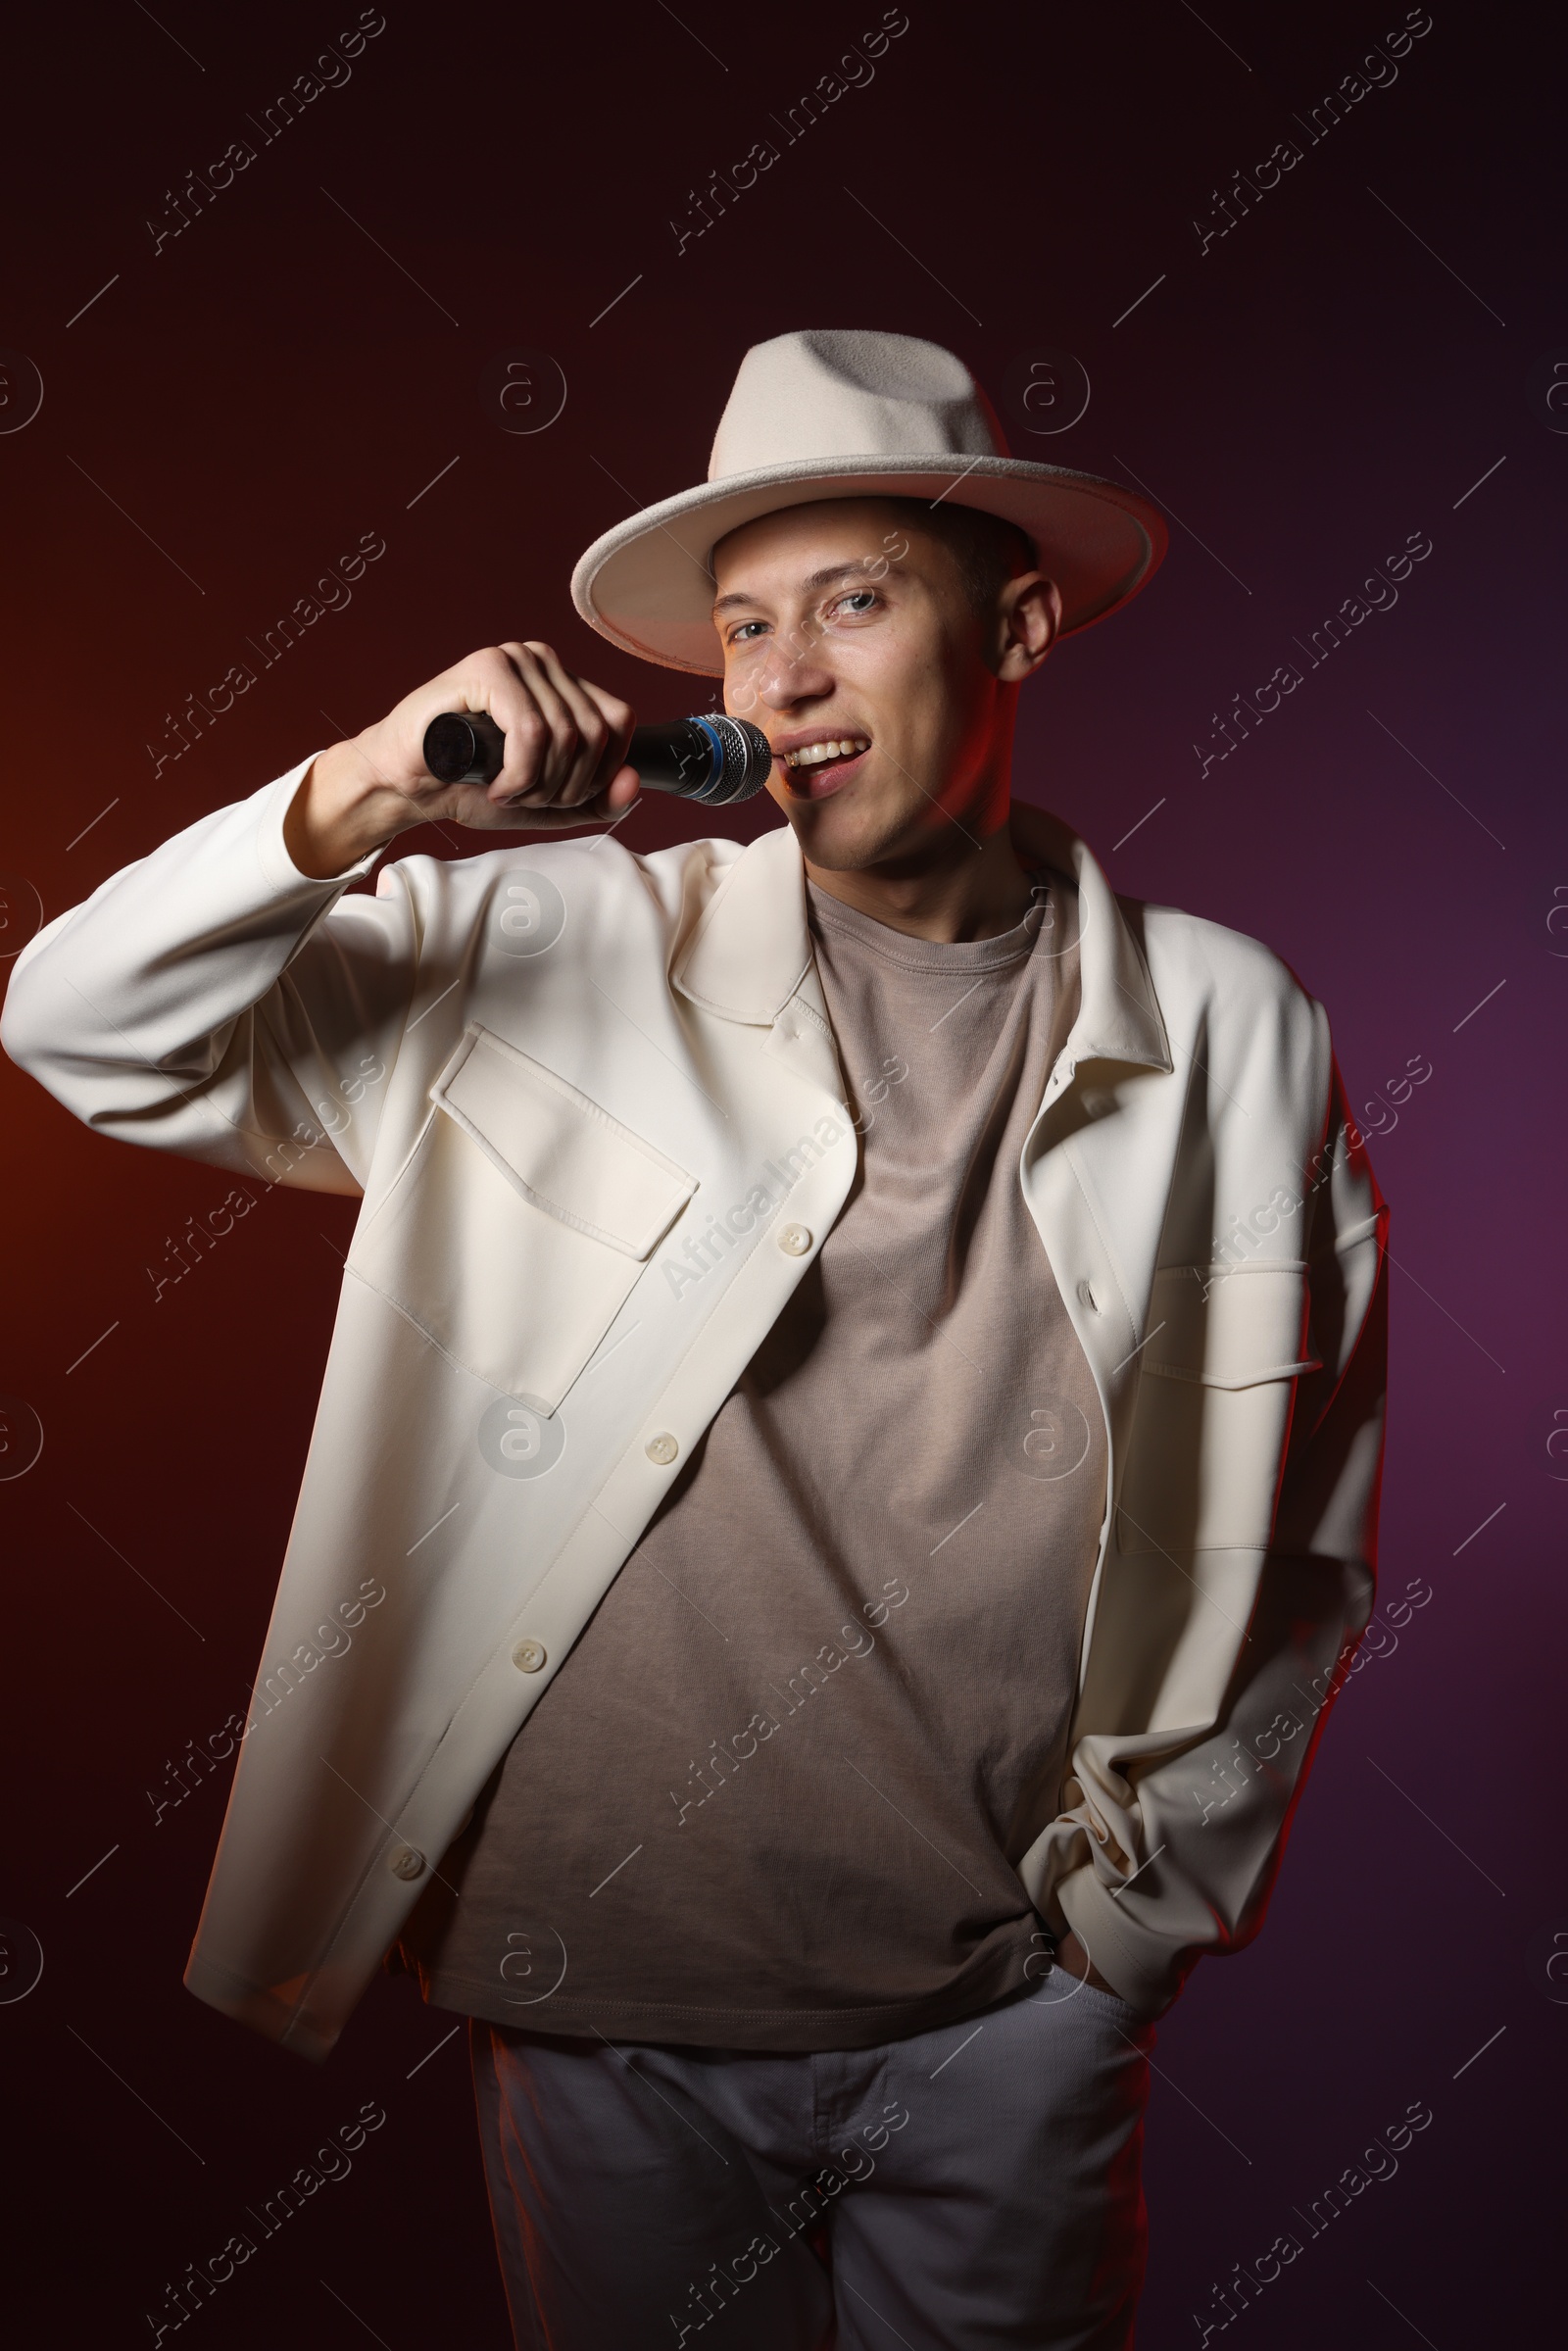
[792, 672]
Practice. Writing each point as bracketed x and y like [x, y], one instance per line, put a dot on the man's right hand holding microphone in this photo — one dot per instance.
[564, 767]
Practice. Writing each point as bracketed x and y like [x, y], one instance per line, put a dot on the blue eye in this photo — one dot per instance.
[864, 598]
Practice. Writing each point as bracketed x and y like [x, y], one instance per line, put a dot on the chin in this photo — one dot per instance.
[868, 828]
[851, 831]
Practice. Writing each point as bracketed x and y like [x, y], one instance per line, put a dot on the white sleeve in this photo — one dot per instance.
[1211, 1807]
[212, 999]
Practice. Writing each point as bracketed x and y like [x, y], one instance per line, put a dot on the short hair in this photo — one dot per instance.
[988, 550]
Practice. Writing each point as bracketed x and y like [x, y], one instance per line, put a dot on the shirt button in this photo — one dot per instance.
[1086, 1291]
[662, 1448]
[404, 1862]
[528, 1656]
[794, 1240]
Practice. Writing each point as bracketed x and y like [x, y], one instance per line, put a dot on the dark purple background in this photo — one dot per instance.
[234, 410]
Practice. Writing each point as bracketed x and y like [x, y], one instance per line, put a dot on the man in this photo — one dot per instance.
[847, 1469]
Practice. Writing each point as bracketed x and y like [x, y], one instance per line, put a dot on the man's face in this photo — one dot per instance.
[839, 626]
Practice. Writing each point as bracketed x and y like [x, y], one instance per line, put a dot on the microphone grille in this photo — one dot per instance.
[745, 762]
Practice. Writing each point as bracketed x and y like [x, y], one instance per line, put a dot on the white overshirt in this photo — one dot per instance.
[546, 1070]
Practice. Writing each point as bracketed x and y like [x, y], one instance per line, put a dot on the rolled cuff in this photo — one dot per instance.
[1144, 1969]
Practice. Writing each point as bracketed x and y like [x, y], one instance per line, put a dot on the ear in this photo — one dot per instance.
[1028, 618]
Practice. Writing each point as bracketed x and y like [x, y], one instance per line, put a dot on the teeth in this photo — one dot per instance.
[813, 755]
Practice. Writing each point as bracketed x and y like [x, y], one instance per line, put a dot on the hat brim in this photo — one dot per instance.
[646, 585]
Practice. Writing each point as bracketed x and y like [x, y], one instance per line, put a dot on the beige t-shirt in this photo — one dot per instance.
[774, 1797]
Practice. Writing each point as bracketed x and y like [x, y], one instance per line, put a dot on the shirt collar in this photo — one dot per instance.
[752, 948]
[1119, 1015]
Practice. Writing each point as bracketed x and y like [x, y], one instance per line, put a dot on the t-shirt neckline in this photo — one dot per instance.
[995, 953]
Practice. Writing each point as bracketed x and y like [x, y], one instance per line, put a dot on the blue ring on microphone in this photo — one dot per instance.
[716, 744]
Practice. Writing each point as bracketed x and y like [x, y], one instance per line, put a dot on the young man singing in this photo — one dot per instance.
[859, 1378]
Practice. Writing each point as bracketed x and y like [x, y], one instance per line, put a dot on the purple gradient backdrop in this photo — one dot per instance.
[231, 412]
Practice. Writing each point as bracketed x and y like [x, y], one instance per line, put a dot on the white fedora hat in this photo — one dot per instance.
[836, 414]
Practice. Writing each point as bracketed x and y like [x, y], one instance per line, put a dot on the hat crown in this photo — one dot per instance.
[832, 393]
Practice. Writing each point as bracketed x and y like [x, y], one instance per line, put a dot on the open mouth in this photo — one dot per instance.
[814, 769]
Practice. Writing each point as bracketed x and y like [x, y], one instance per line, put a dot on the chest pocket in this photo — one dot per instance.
[522, 1222]
[1214, 1407]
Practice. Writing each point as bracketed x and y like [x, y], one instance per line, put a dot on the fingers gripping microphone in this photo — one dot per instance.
[714, 759]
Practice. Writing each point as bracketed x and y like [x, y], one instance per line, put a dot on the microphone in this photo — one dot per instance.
[716, 760]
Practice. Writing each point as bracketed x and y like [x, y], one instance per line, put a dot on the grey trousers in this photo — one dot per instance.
[973, 2187]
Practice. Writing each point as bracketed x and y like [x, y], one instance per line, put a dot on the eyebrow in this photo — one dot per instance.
[814, 580]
